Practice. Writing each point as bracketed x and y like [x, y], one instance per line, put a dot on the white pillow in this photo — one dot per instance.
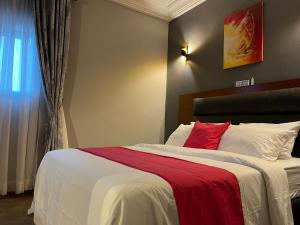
[179, 136]
[257, 142]
[292, 128]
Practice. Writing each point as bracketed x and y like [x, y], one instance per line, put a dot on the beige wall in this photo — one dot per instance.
[116, 82]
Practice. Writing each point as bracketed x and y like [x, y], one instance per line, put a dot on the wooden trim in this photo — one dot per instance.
[185, 113]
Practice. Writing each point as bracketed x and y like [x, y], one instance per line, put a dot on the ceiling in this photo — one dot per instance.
[162, 9]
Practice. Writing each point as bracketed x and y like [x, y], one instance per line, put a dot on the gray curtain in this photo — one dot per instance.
[52, 20]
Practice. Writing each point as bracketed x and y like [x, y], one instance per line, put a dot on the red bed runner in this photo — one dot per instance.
[204, 195]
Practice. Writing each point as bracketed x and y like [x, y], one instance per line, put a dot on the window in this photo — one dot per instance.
[20, 74]
[1, 56]
[16, 65]
[19, 67]
[16, 77]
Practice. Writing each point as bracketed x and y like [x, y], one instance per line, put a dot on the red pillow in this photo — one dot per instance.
[206, 135]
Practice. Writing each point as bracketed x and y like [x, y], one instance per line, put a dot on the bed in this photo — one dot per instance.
[275, 102]
[75, 187]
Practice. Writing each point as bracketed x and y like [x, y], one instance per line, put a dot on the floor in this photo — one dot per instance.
[13, 210]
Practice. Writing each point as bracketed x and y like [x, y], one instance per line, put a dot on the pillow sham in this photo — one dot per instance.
[179, 136]
[206, 135]
[252, 141]
[291, 128]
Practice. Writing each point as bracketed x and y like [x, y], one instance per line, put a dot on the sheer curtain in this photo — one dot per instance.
[20, 97]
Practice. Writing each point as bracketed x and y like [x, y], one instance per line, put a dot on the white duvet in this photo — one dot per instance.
[77, 188]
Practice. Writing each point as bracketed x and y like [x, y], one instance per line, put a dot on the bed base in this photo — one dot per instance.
[296, 210]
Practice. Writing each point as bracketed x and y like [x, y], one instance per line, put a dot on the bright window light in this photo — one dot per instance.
[16, 78]
[1, 54]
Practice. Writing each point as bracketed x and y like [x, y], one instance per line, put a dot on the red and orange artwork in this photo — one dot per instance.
[243, 37]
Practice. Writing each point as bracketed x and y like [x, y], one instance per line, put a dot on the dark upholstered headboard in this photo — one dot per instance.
[277, 102]
[276, 106]
[185, 110]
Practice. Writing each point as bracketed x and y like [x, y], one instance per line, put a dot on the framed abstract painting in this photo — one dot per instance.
[243, 37]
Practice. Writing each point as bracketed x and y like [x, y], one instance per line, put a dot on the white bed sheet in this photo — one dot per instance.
[292, 168]
[77, 188]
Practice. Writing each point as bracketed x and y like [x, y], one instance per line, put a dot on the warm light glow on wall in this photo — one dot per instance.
[197, 39]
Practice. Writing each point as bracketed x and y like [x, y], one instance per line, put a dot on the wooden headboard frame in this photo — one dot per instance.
[185, 113]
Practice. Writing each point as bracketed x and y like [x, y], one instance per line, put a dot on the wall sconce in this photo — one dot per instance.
[185, 52]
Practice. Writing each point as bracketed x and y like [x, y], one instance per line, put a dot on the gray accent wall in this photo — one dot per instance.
[202, 28]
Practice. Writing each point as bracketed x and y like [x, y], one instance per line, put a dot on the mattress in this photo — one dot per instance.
[292, 168]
